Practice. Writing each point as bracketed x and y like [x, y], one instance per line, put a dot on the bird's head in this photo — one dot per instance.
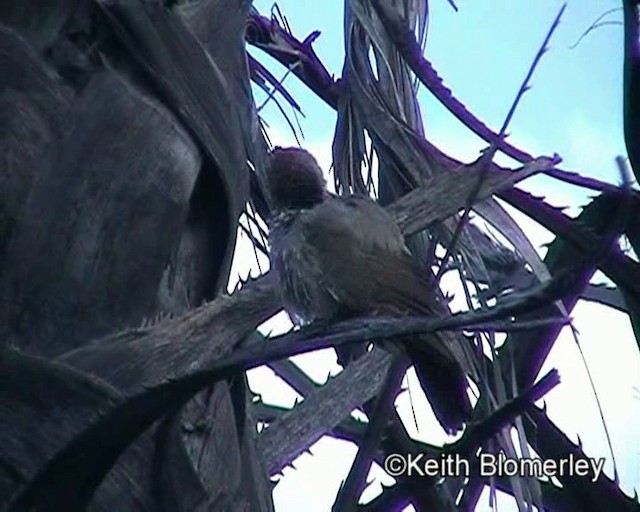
[294, 179]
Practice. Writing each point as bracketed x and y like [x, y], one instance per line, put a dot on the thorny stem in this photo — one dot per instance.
[486, 159]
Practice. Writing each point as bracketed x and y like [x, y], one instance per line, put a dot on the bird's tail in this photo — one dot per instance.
[444, 383]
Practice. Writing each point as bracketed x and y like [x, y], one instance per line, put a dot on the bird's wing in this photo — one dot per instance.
[363, 260]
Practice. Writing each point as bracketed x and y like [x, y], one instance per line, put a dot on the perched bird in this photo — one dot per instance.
[343, 257]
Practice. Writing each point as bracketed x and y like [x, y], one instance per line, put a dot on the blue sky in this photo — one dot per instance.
[574, 109]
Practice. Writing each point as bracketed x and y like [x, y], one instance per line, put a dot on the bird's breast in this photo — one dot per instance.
[305, 294]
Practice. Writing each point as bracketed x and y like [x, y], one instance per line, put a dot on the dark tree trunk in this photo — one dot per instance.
[118, 204]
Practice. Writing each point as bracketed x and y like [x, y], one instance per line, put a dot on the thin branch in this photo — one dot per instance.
[257, 71]
[347, 499]
[598, 22]
[485, 159]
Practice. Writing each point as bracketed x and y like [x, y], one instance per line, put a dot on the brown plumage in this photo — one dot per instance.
[344, 257]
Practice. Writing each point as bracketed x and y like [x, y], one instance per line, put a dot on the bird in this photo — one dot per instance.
[341, 257]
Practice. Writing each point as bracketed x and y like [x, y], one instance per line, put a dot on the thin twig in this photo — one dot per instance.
[486, 158]
[347, 498]
[597, 23]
